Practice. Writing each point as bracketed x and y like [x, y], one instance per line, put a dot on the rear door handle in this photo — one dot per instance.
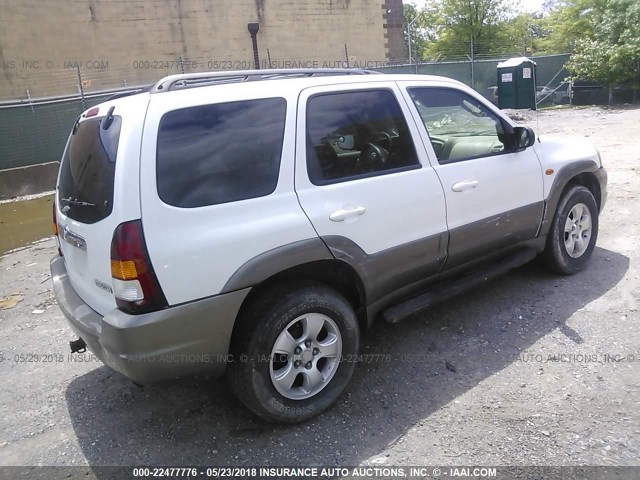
[346, 212]
[464, 185]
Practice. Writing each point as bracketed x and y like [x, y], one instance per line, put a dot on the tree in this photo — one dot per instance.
[523, 33]
[413, 40]
[468, 24]
[609, 50]
[567, 22]
[424, 28]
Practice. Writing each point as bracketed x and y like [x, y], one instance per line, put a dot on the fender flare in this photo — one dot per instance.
[563, 176]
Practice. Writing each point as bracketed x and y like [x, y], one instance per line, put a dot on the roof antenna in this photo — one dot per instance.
[537, 123]
[535, 93]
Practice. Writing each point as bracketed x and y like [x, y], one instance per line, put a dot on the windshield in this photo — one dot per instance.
[85, 189]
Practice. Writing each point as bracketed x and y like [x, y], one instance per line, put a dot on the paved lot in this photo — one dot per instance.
[530, 369]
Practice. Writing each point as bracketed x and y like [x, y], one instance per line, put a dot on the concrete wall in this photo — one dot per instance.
[134, 42]
[15, 182]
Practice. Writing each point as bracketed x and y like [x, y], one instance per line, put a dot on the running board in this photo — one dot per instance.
[417, 304]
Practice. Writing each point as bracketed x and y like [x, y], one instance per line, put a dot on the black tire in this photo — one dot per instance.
[556, 256]
[264, 319]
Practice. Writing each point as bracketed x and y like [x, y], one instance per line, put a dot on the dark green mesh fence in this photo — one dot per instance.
[482, 74]
[37, 133]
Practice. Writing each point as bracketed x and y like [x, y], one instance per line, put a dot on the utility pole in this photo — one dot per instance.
[253, 28]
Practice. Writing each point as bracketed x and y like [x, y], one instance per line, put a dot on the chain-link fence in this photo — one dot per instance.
[35, 122]
[481, 74]
[36, 132]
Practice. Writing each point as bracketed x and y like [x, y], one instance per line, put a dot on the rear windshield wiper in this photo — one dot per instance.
[108, 119]
[75, 201]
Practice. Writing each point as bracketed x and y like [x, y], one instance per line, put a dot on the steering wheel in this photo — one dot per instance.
[375, 152]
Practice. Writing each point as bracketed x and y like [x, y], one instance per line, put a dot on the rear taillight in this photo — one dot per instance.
[55, 229]
[135, 284]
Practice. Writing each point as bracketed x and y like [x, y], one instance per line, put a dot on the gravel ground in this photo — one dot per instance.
[531, 369]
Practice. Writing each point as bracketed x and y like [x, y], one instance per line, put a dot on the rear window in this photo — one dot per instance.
[213, 154]
[85, 190]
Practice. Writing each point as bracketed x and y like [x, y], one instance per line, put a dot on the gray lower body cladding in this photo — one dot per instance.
[393, 268]
[601, 175]
[401, 272]
[442, 293]
[175, 342]
[492, 234]
[563, 177]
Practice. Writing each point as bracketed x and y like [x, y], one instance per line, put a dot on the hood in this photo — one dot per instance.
[555, 151]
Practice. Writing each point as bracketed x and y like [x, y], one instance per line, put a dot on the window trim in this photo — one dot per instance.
[505, 125]
[334, 181]
[363, 176]
[210, 205]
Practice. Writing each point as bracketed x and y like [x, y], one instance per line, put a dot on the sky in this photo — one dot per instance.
[528, 5]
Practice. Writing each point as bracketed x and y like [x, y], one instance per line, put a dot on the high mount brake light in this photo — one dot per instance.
[92, 113]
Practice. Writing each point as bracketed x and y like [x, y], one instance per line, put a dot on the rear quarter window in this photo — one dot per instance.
[220, 153]
[85, 189]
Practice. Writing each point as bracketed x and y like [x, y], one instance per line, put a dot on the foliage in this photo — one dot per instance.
[608, 51]
[472, 27]
[523, 33]
[472, 22]
[448, 29]
[603, 35]
[418, 31]
[567, 22]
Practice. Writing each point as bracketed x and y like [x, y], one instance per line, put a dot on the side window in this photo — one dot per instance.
[220, 153]
[459, 126]
[356, 134]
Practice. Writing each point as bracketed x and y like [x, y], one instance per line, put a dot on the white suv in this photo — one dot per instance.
[257, 222]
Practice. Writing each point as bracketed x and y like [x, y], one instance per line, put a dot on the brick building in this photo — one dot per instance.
[45, 44]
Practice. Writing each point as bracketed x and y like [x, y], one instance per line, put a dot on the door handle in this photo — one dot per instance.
[464, 185]
[346, 212]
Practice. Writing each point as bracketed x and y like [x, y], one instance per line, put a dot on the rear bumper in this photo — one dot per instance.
[174, 342]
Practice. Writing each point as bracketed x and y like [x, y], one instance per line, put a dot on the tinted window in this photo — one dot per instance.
[220, 153]
[460, 127]
[356, 134]
[85, 191]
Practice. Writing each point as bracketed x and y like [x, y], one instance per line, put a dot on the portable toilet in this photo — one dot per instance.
[517, 83]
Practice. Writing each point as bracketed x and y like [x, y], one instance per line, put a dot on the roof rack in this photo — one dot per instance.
[191, 80]
[128, 93]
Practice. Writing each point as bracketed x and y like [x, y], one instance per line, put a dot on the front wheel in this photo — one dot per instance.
[292, 352]
[573, 233]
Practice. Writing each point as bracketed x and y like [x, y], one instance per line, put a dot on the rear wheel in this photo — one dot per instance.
[573, 233]
[288, 352]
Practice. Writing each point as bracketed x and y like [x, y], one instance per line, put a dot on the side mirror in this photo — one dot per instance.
[524, 137]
